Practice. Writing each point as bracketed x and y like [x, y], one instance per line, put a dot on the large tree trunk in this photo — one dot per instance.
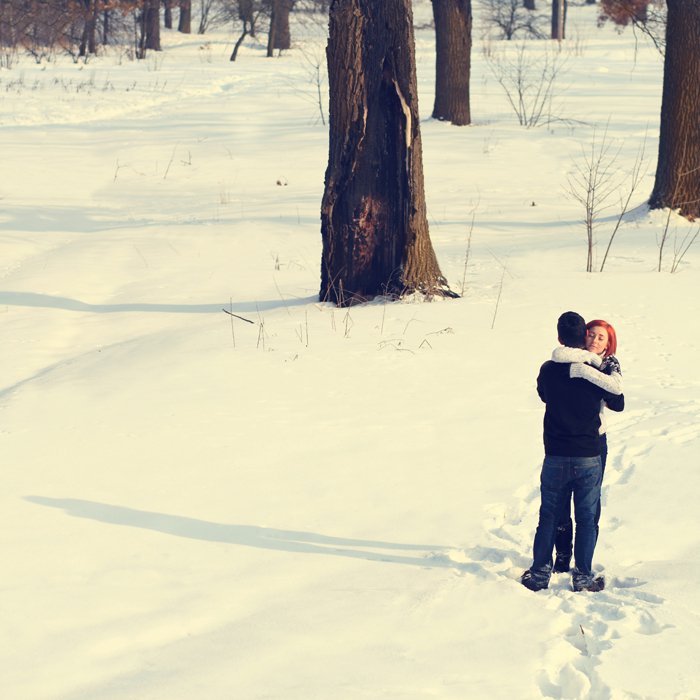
[677, 183]
[373, 216]
[453, 44]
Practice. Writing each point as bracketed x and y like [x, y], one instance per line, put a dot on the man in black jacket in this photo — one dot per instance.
[571, 462]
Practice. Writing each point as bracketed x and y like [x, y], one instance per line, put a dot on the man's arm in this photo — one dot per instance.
[541, 386]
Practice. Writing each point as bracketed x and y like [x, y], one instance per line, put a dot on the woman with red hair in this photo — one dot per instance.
[598, 365]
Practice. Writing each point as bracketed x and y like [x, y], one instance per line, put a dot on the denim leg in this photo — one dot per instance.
[564, 539]
[603, 459]
[554, 481]
[587, 474]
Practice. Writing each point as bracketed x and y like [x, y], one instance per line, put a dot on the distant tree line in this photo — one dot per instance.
[81, 27]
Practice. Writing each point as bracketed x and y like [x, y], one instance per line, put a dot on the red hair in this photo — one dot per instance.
[612, 336]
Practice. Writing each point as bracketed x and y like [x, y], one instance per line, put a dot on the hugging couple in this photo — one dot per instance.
[577, 384]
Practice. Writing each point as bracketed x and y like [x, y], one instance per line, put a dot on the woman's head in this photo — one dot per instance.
[601, 338]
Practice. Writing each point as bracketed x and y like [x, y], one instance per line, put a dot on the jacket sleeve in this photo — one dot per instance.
[540, 386]
[612, 383]
[614, 402]
[611, 365]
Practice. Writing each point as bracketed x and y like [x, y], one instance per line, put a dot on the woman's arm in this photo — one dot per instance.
[612, 383]
[567, 354]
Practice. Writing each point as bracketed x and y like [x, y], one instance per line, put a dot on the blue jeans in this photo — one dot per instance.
[560, 476]
[565, 529]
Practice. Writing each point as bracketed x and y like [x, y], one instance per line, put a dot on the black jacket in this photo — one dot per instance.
[572, 416]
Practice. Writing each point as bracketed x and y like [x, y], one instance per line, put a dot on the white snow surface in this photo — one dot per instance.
[326, 503]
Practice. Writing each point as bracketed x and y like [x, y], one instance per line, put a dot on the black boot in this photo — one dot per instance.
[592, 585]
[562, 564]
[535, 582]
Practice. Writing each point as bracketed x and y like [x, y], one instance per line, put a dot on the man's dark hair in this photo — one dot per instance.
[572, 330]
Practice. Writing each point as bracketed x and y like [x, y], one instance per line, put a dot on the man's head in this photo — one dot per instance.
[572, 330]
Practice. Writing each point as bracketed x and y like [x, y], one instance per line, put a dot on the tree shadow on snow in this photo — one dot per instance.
[46, 301]
[433, 556]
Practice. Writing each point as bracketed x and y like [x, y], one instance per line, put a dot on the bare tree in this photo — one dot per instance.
[594, 180]
[247, 12]
[374, 225]
[510, 18]
[677, 183]
[453, 46]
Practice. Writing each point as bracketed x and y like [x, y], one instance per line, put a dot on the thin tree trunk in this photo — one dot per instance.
[88, 44]
[234, 53]
[677, 183]
[246, 14]
[168, 14]
[373, 215]
[283, 39]
[559, 8]
[529, 4]
[185, 21]
[453, 43]
[273, 29]
[151, 24]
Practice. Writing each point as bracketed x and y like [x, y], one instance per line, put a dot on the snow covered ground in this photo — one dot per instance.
[325, 503]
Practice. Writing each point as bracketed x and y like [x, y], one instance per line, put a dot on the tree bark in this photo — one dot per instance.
[453, 44]
[167, 14]
[88, 44]
[374, 226]
[272, 30]
[283, 38]
[677, 183]
[151, 24]
[559, 7]
[185, 21]
[106, 27]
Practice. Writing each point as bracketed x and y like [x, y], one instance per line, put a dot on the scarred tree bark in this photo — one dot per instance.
[677, 183]
[373, 216]
[453, 45]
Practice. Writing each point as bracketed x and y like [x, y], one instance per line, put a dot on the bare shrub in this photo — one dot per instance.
[594, 180]
[529, 81]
